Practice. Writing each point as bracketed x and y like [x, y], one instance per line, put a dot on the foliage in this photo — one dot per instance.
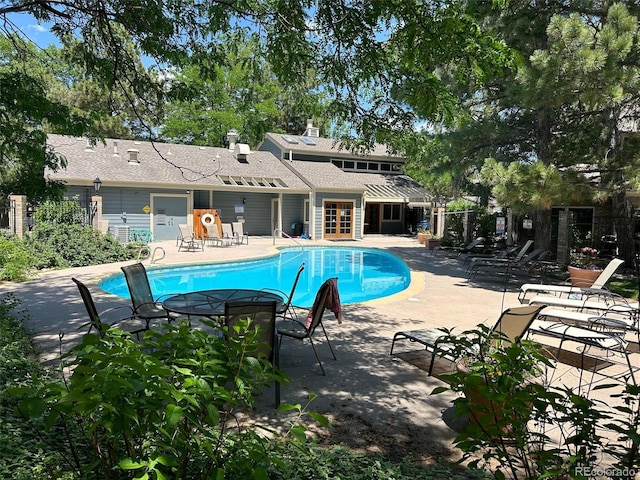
[525, 429]
[16, 260]
[585, 257]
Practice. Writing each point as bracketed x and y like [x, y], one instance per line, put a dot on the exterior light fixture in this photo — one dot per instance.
[97, 183]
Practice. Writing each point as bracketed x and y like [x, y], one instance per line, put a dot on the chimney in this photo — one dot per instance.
[232, 136]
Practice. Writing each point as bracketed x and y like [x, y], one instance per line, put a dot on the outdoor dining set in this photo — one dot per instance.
[272, 310]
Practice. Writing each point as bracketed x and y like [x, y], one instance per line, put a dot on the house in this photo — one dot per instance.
[311, 188]
[352, 194]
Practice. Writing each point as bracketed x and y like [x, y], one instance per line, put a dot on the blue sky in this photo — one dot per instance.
[38, 33]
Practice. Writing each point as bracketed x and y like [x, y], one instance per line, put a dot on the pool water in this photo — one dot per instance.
[363, 274]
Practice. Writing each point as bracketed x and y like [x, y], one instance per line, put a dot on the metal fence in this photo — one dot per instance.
[68, 212]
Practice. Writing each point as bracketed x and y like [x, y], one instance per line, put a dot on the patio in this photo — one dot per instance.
[376, 402]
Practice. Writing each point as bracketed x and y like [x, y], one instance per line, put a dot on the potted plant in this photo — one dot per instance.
[584, 269]
[433, 241]
[498, 380]
[423, 234]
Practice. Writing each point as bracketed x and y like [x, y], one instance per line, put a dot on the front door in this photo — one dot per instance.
[338, 220]
[168, 213]
[372, 218]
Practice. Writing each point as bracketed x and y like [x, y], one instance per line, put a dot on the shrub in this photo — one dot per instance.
[16, 261]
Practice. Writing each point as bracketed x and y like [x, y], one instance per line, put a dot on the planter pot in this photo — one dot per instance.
[432, 243]
[422, 238]
[583, 277]
[489, 414]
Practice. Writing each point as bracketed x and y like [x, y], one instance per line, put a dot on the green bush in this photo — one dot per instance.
[16, 260]
[62, 246]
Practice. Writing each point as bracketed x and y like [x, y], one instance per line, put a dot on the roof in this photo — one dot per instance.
[327, 147]
[169, 165]
[325, 175]
[392, 188]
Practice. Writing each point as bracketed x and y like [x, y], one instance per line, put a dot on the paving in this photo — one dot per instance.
[386, 393]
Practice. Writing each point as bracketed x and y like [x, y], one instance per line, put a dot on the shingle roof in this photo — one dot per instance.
[326, 175]
[329, 146]
[163, 163]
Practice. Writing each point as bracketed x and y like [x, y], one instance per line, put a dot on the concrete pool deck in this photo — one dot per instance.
[386, 394]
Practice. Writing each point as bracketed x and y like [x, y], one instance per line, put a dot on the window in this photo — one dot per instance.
[306, 212]
[349, 165]
[391, 211]
[362, 166]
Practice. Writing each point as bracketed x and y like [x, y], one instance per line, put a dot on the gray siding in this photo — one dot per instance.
[292, 211]
[269, 146]
[257, 210]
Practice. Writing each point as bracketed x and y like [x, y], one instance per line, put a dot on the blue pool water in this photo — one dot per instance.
[363, 274]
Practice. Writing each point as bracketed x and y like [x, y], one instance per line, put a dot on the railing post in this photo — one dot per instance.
[18, 215]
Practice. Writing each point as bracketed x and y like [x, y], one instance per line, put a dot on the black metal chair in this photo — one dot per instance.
[303, 323]
[144, 305]
[94, 317]
[288, 298]
[262, 314]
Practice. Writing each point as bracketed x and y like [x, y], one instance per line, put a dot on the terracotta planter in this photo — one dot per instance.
[432, 243]
[422, 238]
[583, 277]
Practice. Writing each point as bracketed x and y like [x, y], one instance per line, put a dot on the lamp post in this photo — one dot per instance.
[97, 183]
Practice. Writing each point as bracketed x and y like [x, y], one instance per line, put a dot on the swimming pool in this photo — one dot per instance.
[363, 274]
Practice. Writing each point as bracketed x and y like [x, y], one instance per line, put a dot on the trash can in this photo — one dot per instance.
[297, 229]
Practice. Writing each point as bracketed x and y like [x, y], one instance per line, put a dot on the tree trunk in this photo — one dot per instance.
[624, 228]
[542, 238]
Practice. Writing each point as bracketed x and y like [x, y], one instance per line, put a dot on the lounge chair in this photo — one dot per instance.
[262, 314]
[303, 323]
[213, 236]
[144, 305]
[513, 324]
[479, 262]
[187, 241]
[95, 322]
[594, 300]
[477, 244]
[227, 233]
[506, 266]
[238, 233]
[569, 290]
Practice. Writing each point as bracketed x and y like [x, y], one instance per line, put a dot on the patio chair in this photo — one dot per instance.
[479, 262]
[512, 323]
[238, 233]
[304, 322]
[507, 265]
[187, 240]
[262, 314]
[213, 236]
[94, 317]
[288, 298]
[569, 290]
[227, 233]
[144, 305]
[478, 243]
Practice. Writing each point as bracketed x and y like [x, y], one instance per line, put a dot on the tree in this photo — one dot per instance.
[378, 62]
[549, 131]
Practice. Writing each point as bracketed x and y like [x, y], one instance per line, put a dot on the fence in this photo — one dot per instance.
[21, 216]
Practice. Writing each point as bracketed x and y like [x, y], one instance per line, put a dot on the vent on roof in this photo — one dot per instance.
[289, 139]
[133, 156]
[241, 151]
[89, 147]
[232, 138]
[115, 149]
[311, 130]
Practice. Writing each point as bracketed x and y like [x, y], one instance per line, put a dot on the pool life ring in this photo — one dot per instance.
[207, 219]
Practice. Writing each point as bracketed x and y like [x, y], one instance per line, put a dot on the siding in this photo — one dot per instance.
[257, 210]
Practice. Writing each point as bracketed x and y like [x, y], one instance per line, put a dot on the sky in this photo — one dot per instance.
[38, 33]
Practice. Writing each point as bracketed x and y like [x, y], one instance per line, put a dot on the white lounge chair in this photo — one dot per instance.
[238, 233]
[568, 290]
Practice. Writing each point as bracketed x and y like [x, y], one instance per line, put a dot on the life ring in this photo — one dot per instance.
[207, 216]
